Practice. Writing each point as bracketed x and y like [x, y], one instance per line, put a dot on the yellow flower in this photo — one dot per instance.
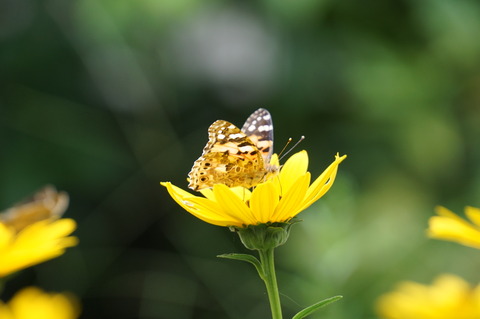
[33, 303]
[277, 200]
[31, 232]
[448, 226]
[449, 297]
[34, 244]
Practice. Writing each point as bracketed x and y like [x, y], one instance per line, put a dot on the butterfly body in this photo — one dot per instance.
[236, 157]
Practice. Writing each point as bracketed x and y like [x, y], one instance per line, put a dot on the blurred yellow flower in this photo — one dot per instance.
[449, 297]
[31, 233]
[34, 244]
[33, 303]
[277, 200]
[448, 226]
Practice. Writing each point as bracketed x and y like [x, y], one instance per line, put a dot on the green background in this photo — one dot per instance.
[106, 98]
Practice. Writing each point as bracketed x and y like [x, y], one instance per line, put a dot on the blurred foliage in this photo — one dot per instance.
[105, 99]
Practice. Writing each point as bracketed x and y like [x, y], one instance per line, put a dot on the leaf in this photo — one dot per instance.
[245, 257]
[311, 309]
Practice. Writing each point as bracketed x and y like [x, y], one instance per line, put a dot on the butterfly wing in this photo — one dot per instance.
[47, 203]
[259, 128]
[230, 157]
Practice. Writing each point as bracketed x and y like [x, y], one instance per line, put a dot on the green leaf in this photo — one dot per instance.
[311, 309]
[248, 258]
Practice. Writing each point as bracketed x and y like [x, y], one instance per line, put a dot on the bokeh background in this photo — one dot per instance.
[106, 98]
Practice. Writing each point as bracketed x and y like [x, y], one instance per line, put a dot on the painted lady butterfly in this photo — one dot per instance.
[236, 157]
[47, 203]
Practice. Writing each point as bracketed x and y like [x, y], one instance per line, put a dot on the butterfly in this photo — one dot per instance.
[236, 157]
[46, 203]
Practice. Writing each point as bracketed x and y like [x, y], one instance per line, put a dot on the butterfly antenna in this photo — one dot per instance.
[283, 149]
[291, 149]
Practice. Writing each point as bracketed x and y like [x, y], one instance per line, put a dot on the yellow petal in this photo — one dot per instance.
[442, 211]
[208, 193]
[445, 212]
[5, 312]
[232, 205]
[473, 214]
[33, 303]
[205, 209]
[176, 192]
[211, 212]
[242, 193]
[6, 235]
[295, 166]
[448, 297]
[46, 230]
[323, 183]
[451, 229]
[264, 201]
[36, 243]
[274, 160]
[290, 204]
[180, 196]
[183, 198]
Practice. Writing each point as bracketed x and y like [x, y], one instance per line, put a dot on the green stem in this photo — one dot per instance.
[270, 279]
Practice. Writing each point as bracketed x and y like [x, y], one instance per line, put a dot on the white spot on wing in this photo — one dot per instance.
[237, 135]
[221, 169]
[247, 148]
[265, 128]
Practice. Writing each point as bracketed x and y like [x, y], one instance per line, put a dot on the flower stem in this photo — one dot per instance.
[270, 279]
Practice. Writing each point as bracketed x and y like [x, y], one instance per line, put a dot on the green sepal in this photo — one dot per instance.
[311, 309]
[264, 236]
[248, 258]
